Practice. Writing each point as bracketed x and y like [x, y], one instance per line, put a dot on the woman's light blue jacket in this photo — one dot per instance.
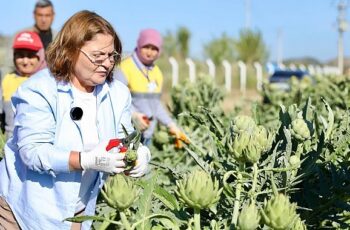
[34, 175]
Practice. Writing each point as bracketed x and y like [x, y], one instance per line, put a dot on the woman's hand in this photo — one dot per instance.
[143, 158]
[140, 121]
[100, 160]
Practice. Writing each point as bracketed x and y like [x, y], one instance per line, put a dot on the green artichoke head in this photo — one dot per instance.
[300, 130]
[243, 123]
[252, 153]
[162, 137]
[130, 159]
[279, 213]
[120, 192]
[299, 225]
[294, 161]
[198, 190]
[240, 143]
[249, 217]
[263, 138]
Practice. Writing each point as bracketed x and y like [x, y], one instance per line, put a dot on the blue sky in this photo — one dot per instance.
[306, 27]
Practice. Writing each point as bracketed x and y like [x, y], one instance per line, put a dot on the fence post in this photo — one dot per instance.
[258, 68]
[191, 69]
[211, 67]
[292, 66]
[302, 67]
[174, 71]
[319, 70]
[228, 73]
[243, 76]
[311, 69]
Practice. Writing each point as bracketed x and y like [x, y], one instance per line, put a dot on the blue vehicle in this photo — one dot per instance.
[280, 78]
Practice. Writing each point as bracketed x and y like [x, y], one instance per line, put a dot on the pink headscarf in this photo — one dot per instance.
[42, 61]
[149, 37]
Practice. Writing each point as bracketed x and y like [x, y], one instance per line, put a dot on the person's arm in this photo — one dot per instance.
[35, 127]
[74, 161]
[120, 76]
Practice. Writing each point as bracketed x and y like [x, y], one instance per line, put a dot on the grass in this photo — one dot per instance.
[2, 144]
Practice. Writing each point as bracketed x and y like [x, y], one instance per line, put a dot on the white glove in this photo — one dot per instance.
[100, 160]
[143, 158]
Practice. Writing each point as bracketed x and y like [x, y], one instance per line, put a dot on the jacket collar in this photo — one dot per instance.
[101, 90]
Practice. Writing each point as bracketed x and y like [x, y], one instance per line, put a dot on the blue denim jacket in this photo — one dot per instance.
[34, 175]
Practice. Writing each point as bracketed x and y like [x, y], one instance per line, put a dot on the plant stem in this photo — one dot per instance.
[255, 181]
[197, 219]
[237, 196]
[278, 169]
[124, 220]
[105, 224]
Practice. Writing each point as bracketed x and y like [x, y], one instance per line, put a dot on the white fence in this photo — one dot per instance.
[259, 69]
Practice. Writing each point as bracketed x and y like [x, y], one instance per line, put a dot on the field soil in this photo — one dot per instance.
[237, 99]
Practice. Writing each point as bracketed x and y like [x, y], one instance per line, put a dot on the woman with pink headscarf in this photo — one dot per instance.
[28, 58]
[145, 81]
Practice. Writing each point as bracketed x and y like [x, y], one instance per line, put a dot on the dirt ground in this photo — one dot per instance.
[244, 101]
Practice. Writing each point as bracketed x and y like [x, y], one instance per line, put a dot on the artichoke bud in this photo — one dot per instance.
[243, 123]
[120, 192]
[198, 190]
[305, 83]
[279, 213]
[299, 225]
[294, 161]
[252, 153]
[130, 158]
[162, 137]
[249, 218]
[263, 138]
[300, 129]
[240, 143]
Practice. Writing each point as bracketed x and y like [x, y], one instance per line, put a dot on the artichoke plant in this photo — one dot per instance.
[197, 190]
[279, 213]
[249, 218]
[120, 192]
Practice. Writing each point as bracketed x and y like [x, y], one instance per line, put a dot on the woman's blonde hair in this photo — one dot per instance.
[63, 52]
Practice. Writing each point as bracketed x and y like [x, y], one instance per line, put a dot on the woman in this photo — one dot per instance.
[145, 81]
[28, 58]
[65, 115]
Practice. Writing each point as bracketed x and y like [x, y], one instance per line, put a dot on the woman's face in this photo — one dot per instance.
[95, 61]
[26, 61]
[149, 53]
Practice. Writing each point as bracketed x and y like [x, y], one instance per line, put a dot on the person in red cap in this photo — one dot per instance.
[28, 58]
[145, 80]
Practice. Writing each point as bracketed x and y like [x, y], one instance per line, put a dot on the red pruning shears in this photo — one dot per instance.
[124, 144]
[147, 119]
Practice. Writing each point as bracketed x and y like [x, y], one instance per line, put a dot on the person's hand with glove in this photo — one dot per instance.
[140, 121]
[100, 160]
[141, 165]
[179, 136]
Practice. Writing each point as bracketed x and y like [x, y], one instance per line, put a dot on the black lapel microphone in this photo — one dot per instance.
[76, 113]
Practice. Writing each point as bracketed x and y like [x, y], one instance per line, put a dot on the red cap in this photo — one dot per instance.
[27, 40]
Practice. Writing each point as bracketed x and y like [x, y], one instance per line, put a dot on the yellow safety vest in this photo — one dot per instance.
[10, 84]
[138, 81]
